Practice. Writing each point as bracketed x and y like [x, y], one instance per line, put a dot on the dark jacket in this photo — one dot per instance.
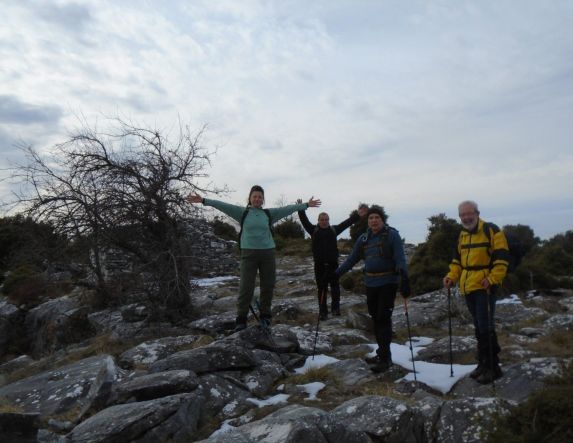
[383, 255]
[324, 246]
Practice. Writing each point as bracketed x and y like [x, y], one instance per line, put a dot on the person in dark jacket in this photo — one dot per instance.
[325, 254]
[385, 266]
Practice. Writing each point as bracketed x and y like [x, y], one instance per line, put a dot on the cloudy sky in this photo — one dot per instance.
[414, 105]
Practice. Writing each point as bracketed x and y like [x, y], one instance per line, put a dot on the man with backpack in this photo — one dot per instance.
[385, 266]
[479, 266]
[325, 254]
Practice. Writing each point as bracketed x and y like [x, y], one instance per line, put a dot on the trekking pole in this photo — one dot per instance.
[490, 339]
[254, 313]
[321, 302]
[410, 337]
[450, 331]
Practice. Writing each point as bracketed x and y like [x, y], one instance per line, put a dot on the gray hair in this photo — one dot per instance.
[471, 203]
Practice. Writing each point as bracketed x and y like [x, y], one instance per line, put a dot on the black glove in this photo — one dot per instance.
[405, 287]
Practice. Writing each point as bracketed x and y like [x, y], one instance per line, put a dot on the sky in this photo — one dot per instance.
[413, 105]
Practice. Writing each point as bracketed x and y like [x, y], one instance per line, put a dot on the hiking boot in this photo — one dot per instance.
[372, 360]
[382, 366]
[265, 322]
[323, 316]
[240, 327]
[477, 371]
[335, 312]
[240, 324]
[488, 375]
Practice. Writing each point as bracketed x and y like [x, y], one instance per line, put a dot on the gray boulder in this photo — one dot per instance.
[518, 382]
[354, 372]
[359, 320]
[214, 324]
[17, 363]
[11, 325]
[150, 351]
[171, 418]
[513, 313]
[214, 357]
[224, 397]
[428, 309]
[162, 384]
[80, 386]
[380, 418]
[468, 420]
[262, 378]
[439, 350]
[559, 322]
[57, 323]
[291, 424]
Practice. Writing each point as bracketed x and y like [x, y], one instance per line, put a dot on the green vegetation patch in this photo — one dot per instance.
[546, 416]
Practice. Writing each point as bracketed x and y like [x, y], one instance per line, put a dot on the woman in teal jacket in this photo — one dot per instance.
[257, 247]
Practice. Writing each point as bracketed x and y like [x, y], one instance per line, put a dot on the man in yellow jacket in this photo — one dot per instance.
[479, 267]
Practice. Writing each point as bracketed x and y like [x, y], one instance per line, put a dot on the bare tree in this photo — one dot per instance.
[123, 189]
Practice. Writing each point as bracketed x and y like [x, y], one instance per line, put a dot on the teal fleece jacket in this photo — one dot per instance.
[256, 233]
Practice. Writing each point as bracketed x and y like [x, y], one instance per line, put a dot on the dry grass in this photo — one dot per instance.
[534, 322]
[555, 344]
[550, 305]
[203, 340]
[8, 408]
[322, 374]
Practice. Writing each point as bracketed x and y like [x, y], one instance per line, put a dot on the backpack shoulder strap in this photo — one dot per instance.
[268, 212]
[243, 217]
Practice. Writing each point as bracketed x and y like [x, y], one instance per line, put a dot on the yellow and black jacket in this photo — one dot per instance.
[481, 253]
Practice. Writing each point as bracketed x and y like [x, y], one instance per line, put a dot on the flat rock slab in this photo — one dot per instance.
[518, 382]
[150, 351]
[174, 417]
[215, 357]
[78, 385]
[353, 372]
[151, 386]
[467, 420]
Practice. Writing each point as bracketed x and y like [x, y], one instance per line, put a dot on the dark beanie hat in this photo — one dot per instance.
[376, 210]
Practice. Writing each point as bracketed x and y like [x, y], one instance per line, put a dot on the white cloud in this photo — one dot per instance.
[412, 105]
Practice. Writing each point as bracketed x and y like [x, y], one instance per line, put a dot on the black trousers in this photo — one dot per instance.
[324, 275]
[380, 301]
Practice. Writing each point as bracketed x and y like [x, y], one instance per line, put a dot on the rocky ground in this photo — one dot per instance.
[116, 376]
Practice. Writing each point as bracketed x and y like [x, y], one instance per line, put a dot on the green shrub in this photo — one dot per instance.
[224, 230]
[431, 259]
[25, 285]
[289, 229]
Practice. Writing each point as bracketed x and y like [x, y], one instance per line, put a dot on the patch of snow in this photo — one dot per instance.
[312, 389]
[224, 429]
[276, 399]
[318, 362]
[512, 300]
[205, 282]
[252, 384]
[230, 407]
